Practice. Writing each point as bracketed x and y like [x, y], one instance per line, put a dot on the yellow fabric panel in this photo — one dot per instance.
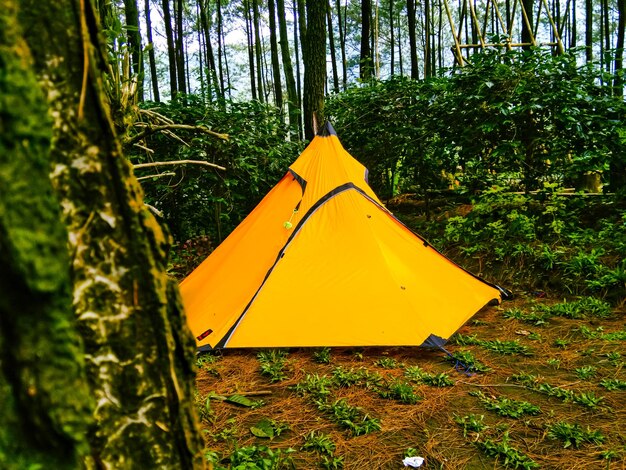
[218, 290]
[325, 165]
[362, 279]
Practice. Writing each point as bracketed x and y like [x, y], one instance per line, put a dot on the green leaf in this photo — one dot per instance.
[263, 428]
[240, 400]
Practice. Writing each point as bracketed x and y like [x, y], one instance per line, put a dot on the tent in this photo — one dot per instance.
[321, 262]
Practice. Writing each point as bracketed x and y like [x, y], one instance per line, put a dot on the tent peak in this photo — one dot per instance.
[326, 130]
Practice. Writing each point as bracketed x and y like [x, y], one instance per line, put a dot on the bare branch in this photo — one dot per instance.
[178, 162]
[160, 175]
[149, 129]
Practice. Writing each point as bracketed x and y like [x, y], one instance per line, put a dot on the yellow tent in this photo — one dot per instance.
[321, 262]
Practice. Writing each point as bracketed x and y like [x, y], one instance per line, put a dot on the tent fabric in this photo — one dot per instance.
[321, 262]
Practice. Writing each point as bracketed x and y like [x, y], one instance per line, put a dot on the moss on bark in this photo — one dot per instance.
[44, 404]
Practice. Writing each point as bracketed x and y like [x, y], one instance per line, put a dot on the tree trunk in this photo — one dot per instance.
[299, 11]
[221, 50]
[589, 30]
[246, 5]
[527, 34]
[278, 87]
[138, 350]
[153, 70]
[427, 34]
[171, 49]
[618, 83]
[180, 47]
[365, 61]
[210, 57]
[342, 41]
[410, 11]
[292, 93]
[133, 32]
[45, 404]
[331, 46]
[392, 44]
[314, 54]
[258, 51]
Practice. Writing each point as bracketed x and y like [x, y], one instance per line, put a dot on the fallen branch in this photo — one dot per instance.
[148, 130]
[178, 162]
[153, 209]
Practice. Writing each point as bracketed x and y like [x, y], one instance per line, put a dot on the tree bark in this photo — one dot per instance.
[133, 32]
[258, 50]
[246, 5]
[151, 57]
[171, 49]
[410, 11]
[138, 350]
[527, 34]
[618, 83]
[292, 93]
[180, 47]
[392, 43]
[278, 87]
[314, 54]
[331, 46]
[427, 37]
[365, 61]
[589, 30]
[45, 405]
[220, 48]
[342, 41]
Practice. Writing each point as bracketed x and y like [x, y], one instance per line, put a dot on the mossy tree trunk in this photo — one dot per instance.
[44, 404]
[138, 353]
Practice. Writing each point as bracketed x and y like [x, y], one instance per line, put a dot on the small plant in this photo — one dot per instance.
[400, 391]
[318, 386]
[561, 343]
[533, 317]
[322, 356]
[272, 363]
[511, 456]
[573, 435]
[586, 372]
[206, 359]
[260, 457]
[359, 377]
[388, 363]
[331, 462]
[319, 442]
[613, 384]
[553, 362]
[466, 360]
[350, 417]
[416, 374]
[268, 428]
[507, 407]
[471, 423]
[614, 358]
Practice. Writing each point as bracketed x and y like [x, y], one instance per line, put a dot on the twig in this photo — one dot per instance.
[144, 148]
[160, 175]
[178, 162]
[153, 209]
[149, 129]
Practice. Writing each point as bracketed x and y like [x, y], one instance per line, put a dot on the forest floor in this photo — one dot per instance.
[548, 389]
